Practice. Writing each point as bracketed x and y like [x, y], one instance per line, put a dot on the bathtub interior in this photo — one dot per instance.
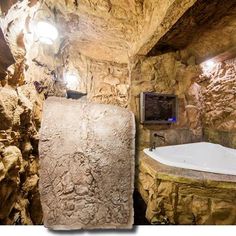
[201, 156]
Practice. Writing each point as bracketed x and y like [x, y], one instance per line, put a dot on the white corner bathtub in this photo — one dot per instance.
[200, 156]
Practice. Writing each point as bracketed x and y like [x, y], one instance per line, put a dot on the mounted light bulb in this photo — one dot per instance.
[46, 32]
[71, 80]
[209, 64]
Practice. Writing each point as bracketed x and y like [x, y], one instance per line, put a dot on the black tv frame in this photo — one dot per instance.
[142, 108]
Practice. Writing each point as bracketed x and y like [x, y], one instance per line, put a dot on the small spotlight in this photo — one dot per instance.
[71, 80]
[46, 32]
[209, 64]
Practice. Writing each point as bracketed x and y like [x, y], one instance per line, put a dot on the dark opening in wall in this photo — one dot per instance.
[6, 58]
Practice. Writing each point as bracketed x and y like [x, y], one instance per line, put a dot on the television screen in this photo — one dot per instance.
[158, 108]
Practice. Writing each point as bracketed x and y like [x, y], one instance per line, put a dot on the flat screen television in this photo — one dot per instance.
[158, 108]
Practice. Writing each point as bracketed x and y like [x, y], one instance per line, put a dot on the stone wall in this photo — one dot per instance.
[20, 114]
[166, 74]
[219, 96]
[103, 81]
[22, 92]
[219, 116]
[109, 83]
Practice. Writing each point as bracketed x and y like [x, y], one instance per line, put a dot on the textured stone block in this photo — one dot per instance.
[86, 165]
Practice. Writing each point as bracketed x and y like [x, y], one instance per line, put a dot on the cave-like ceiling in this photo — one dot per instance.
[116, 30]
[107, 30]
[111, 30]
[211, 20]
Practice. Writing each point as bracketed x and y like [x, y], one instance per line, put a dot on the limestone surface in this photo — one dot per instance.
[86, 165]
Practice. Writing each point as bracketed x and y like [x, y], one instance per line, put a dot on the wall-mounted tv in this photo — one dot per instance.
[158, 108]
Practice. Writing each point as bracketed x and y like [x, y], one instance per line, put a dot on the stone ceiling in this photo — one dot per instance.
[111, 30]
[206, 29]
[117, 30]
[101, 30]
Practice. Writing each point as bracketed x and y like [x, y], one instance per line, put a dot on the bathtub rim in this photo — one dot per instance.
[180, 175]
[189, 166]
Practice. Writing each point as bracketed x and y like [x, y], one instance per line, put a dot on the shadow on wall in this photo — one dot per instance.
[174, 137]
[225, 138]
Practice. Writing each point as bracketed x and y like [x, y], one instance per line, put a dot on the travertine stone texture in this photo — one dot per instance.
[86, 165]
[180, 196]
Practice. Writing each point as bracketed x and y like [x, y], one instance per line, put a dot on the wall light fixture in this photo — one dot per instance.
[46, 32]
[209, 64]
[71, 80]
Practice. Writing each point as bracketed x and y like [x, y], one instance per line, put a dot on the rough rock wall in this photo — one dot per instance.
[101, 30]
[166, 74]
[6, 57]
[20, 119]
[89, 182]
[21, 99]
[104, 82]
[158, 18]
[22, 93]
[219, 95]
[114, 30]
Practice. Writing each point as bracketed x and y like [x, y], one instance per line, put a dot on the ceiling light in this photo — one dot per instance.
[71, 80]
[46, 32]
